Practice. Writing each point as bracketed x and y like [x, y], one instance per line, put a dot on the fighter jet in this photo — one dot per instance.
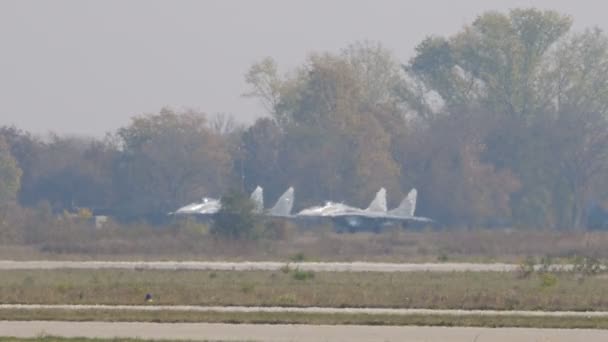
[331, 209]
[402, 215]
[211, 206]
[342, 214]
[405, 212]
[282, 207]
[257, 196]
[207, 206]
[373, 218]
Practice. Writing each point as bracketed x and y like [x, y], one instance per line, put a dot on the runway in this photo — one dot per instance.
[309, 310]
[259, 266]
[294, 333]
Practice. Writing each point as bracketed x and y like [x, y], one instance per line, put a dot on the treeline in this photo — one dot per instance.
[505, 123]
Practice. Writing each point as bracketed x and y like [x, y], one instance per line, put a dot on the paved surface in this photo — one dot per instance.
[371, 311]
[296, 333]
[265, 266]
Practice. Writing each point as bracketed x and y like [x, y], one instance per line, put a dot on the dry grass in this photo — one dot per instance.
[300, 318]
[394, 246]
[475, 290]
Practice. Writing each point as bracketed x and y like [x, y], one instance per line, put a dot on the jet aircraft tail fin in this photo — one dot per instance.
[379, 202]
[407, 207]
[284, 204]
[257, 196]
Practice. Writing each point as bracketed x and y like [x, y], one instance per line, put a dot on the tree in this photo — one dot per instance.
[581, 141]
[10, 175]
[224, 124]
[268, 87]
[542, 88]
[262, 147]
[26, 150]
[376, 70]
[335, 117]
[457, 186]
[236, 219]
[498, 61]
[72, 173]
[169, 159]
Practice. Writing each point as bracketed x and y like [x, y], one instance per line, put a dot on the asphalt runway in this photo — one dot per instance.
[258, 266]
[294, 333]
[311, 310]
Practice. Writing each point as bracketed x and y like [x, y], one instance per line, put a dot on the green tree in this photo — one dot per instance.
[10, 175]
[27, 151]
[498, 61]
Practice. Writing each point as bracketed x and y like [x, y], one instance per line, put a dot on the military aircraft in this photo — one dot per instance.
[331, 209]
[282, 207]
[373, 218]
[208, 206]
[211, 206]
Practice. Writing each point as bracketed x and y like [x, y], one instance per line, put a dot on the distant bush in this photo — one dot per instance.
[298, 257]
[442, 257]
[302, 275]
[548, 280]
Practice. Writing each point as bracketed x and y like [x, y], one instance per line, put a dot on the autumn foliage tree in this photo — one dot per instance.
[334, 146]
[543, 87]
[169, 159]
[504, 123]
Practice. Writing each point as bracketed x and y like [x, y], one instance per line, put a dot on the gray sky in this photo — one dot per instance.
[86, 67]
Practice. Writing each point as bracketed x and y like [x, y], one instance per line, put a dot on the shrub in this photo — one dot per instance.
[298, 257]
[548, 280]
[442, 257]
[236, 219]
[302, 275]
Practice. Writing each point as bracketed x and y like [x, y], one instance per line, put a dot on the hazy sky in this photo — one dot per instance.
[86, 67]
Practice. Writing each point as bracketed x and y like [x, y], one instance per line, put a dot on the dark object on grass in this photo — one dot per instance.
[148, 297]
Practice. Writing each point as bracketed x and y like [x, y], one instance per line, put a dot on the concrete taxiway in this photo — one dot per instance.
[294, 333]
[259, 266]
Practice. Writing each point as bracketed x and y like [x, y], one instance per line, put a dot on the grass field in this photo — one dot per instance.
[319, 244]
[451, 290]
[305, 318]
